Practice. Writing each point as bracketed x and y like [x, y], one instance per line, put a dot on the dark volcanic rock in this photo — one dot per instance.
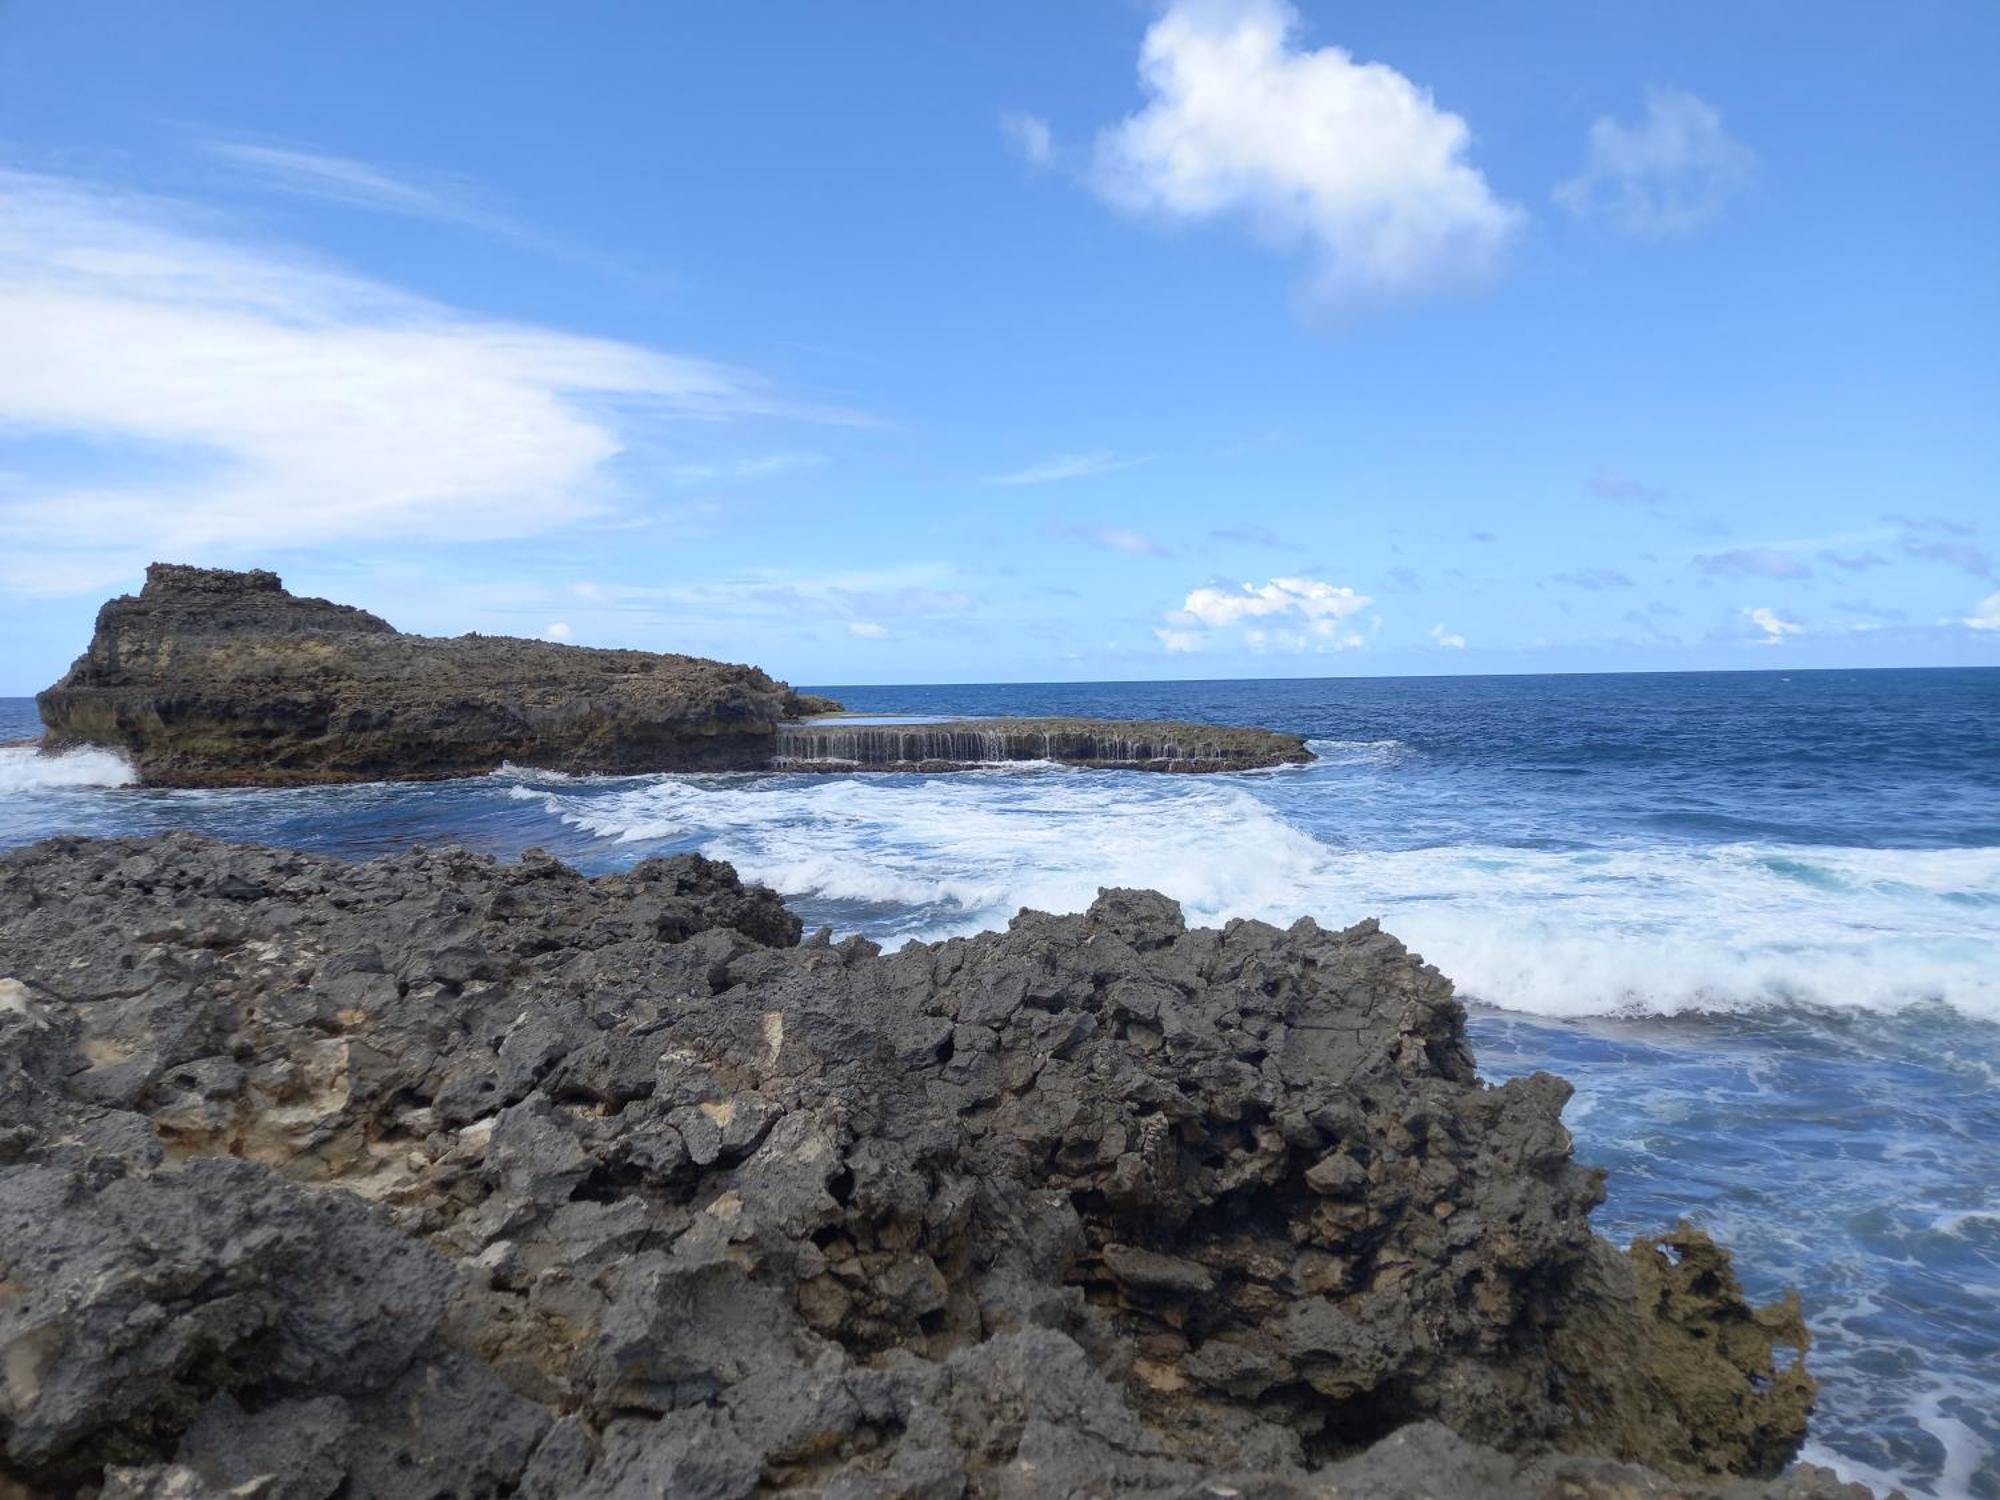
[436, 1177]
[216, 678]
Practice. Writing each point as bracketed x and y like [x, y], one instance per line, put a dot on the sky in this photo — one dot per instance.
[1053, 340]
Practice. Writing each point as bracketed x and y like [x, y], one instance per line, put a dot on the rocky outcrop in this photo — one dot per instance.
[1132, 745]
[433, 1176]
[215, 678]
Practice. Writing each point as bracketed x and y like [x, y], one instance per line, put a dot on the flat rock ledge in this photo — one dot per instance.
[438, 1177]
[211, 678]
[1107, 744]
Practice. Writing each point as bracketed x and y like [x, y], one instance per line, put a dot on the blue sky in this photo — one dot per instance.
[1041, 341]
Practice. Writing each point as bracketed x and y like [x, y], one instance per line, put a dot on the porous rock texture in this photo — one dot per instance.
[433, 1176]
[209, 677]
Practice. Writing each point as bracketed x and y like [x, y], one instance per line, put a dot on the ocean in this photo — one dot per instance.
[1753, 916]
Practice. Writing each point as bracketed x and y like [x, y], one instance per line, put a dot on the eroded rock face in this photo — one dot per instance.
[216, 678]
[432, 1176]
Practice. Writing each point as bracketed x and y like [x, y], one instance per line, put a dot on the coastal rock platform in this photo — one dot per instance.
[954, 744]
[440, 1177]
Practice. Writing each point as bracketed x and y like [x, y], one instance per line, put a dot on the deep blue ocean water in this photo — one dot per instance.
[1755, 917]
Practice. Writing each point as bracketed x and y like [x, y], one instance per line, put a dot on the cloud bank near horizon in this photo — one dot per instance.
[283, 402]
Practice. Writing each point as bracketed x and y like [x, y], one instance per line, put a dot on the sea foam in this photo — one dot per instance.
[23, 768]
[1647, 929]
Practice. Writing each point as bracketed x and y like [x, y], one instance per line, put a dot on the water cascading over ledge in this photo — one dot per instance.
[958, 744]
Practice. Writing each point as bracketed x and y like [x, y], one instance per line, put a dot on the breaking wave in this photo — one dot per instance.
[1648, 929]
[24, 768]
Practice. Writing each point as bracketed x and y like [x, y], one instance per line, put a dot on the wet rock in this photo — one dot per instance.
[437, 1176]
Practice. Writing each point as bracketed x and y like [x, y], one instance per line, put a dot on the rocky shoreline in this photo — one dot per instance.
[434, 1176]
[212, 678]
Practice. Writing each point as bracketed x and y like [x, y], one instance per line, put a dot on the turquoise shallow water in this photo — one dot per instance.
[1754, 916]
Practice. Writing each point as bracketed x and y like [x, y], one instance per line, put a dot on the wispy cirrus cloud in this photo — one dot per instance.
[304, 404]
[1607, 484]
[1668, 173]
[343, 179]
[1953, 551]
[1941, 539]
[1111, 538]
[1030, 135]
[1251, 536]
[1593, 579]
[746, 470]
[1061, 467]
[911, 591]
[1754, 562]
[407, 192]
[1352, 162]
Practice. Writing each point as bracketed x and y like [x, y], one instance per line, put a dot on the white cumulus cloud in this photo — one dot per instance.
[559, 631]
[1450, 639]
[1774, 625]
[1311, 148]
[297, 404]
[1985, 614]
[1667, 174]
[1285, 614]
[867, 630]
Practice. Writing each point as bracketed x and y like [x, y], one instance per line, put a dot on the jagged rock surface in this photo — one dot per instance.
[436, 1177]
[216, 678]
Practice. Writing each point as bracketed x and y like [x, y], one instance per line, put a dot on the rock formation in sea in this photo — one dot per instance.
[216, 678]
[438, 1177]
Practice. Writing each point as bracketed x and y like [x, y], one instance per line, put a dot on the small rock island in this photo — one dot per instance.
[210, 677]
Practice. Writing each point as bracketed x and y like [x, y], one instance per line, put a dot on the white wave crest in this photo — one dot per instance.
[1356, 752]
[23, 768]
[1661, 929]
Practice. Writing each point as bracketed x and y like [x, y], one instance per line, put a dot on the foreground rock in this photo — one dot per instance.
[436, 1177]
[1120, 744]
[216, 678]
